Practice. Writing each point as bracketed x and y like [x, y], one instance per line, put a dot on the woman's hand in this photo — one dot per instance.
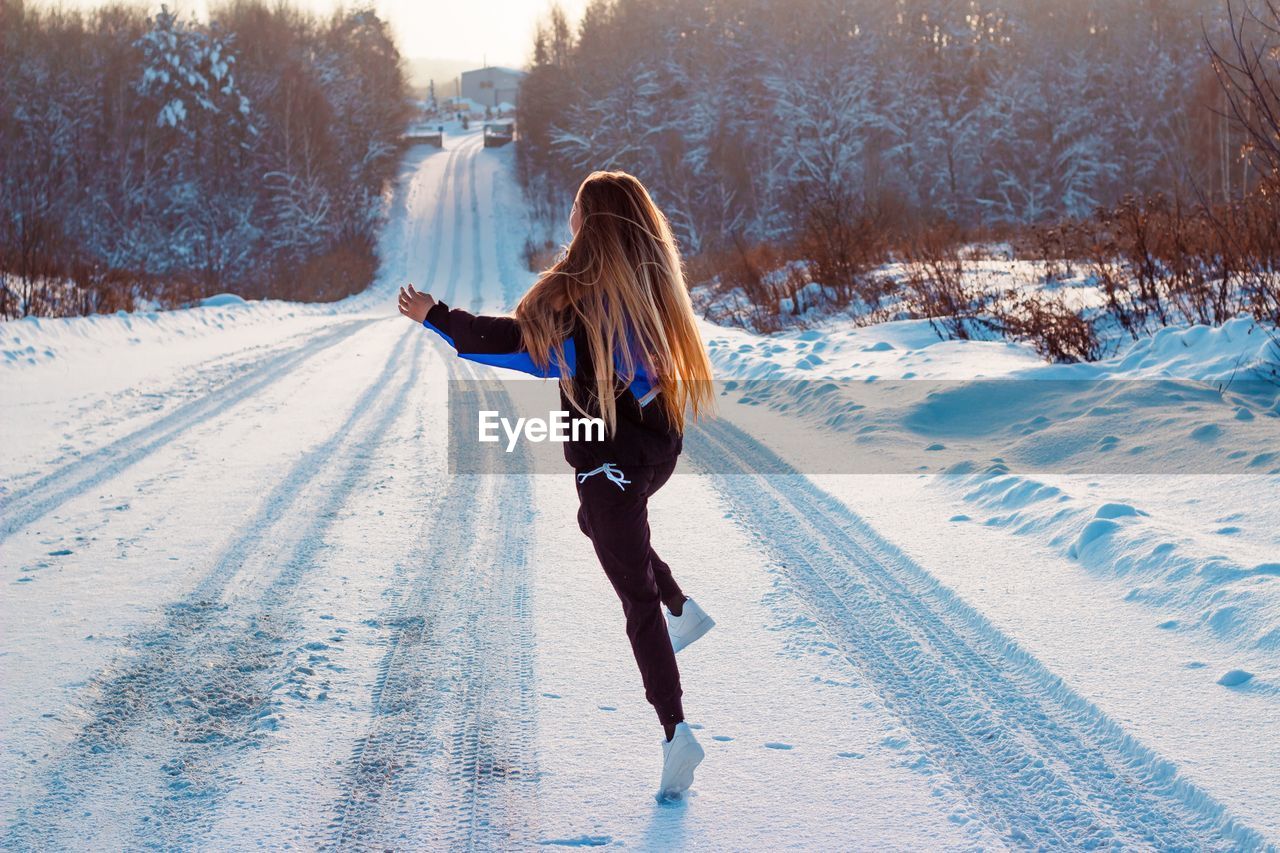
[415, 305]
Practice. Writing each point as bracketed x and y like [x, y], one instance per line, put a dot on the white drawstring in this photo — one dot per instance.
[611, 471]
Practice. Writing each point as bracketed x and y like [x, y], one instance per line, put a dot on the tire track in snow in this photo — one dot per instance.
[465, 220]
[477, 259]
[164, 734]
[1039, 763]
[29, 504]
[447, 178]
[459, 218]
[449, 756]
[490, 787]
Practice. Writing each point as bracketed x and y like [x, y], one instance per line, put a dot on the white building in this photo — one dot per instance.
[492, 86]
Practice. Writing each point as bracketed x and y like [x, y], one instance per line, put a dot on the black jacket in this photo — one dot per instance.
[644, 435]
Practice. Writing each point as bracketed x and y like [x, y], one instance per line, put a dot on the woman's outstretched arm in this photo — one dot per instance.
[488, 340]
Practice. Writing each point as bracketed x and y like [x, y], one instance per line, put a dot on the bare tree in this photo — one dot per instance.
[1248, 67]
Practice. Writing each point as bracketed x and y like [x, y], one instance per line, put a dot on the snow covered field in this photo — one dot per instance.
[244, 604]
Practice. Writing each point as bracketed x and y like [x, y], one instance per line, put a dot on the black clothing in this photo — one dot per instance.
[615, 478]
[643, 436]
[614, 513]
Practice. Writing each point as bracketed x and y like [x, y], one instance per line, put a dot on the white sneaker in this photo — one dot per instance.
[679, 756]
[691, 624]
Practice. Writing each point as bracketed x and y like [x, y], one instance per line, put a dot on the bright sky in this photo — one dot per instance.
[500, 31]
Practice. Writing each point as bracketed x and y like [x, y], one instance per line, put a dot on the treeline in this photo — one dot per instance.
[163, 159]
[812, 141]
[754, 118]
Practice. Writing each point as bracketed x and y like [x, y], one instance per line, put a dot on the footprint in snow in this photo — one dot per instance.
[1262, 459]
[552, 695]
[606, 707]
[1207, 433]
[1117, 510]
[1235, 678]
[775, 745]
[579, 841]
[850, 755]
[721, 738]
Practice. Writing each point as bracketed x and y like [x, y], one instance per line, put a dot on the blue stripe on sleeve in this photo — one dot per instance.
[523, 362]
[640, 385]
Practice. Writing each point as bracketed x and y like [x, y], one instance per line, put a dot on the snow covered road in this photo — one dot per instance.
[245, 604]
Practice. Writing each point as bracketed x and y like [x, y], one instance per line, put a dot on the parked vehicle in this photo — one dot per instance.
[423, 134]
[499, 133]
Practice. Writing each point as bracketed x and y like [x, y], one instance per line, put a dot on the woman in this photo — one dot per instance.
[612, 320]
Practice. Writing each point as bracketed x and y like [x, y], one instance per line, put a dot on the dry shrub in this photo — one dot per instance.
[1059, 246]
[34, 256]
[1249, 234]
[101, 291]
[1159, 261]
[1057, 331]
[746, 269]
[766, 286]
[842, 255]
[938, 289]
[41, 274]
[343, 269]
[935, 285]
[8, 295]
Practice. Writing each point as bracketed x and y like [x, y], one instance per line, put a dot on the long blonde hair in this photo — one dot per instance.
[621, 280]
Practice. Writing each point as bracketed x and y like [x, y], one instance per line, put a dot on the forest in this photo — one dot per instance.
[152, 160]
[842, 134]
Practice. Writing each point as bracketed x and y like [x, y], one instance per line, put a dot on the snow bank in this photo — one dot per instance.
[1179, 567]
[1240, 348]
[221, 300]
[1041, 452]
[987, 269]
[905, 349]
[911, 349]
[32, 341]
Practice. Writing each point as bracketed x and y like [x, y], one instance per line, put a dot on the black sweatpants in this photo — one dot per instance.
[614, 514]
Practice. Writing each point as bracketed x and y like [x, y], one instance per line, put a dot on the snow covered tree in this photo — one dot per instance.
[971, 110]
[161, 158]
[187, 69]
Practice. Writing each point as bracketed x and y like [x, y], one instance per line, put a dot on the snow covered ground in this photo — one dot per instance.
[1154, 597]
[244, 603]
